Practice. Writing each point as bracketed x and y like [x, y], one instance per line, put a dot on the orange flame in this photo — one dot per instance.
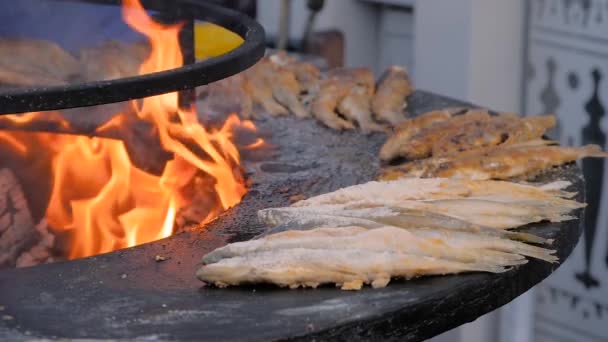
[100, 200]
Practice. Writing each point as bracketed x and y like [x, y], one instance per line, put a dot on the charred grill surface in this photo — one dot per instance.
[128, 294]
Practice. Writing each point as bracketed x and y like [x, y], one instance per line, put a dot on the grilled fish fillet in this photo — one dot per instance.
[363, 257]
[307, 75]
[498, 162]
[422, 143]
[355, 106]
[286, 90]
[360, 76]
[260, 81]
[346, 92]
[393, 88]
[406, 130]
[439, 134]
[504, 129]
[325, 104]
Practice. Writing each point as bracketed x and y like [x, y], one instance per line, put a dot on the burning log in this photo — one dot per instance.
[18, 234]
[42, 252]
[105, 194]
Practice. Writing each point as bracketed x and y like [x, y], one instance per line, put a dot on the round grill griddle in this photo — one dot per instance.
[189, 76]
[128, 295]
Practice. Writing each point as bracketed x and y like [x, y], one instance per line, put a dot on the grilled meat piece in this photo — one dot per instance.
[392, 90]
[260, 79]
[439, 133]
[523, 160]
[406, 130]
[286, 90]
[504, 129]
[352, 90]
[324, 106]
[422, 143]
[355, 106]
[360, 76]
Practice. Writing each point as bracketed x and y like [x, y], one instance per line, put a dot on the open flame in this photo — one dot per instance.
[100, 200]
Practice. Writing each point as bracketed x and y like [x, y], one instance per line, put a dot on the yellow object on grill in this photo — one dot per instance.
[211, 40]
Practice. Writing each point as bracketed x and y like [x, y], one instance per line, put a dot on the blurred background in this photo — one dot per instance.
[530, 57]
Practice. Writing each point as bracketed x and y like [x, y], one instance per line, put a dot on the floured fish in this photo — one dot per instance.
[493, 204]
[385, 239]
[370, 233]
[375, 256]
[340, 216]
[433, 188]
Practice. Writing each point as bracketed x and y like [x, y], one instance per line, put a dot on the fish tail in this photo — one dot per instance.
[526, 237]
[592, 151]
[545, 121]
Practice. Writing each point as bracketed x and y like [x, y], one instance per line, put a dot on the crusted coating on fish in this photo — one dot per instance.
[290, 264]
[524, 160]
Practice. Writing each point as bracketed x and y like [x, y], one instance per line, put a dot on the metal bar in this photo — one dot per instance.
[284, 19]
[187, 77]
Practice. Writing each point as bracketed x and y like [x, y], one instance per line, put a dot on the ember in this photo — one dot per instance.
[100, 200]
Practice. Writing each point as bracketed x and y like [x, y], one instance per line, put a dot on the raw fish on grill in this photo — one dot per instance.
[383, 239]
[305, 218]
[493, 204]
[367, 257]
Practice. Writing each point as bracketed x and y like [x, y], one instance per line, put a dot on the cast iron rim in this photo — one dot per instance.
[186, 77]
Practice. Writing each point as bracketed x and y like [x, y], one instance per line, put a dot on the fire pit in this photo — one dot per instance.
[144, 161]
[128, 294]
[150, 291]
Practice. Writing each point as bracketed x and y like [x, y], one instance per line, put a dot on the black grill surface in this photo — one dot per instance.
[128, 295]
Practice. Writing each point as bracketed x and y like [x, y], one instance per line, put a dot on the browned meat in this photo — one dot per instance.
[325, 104]
[391, 95]
[523, 160]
